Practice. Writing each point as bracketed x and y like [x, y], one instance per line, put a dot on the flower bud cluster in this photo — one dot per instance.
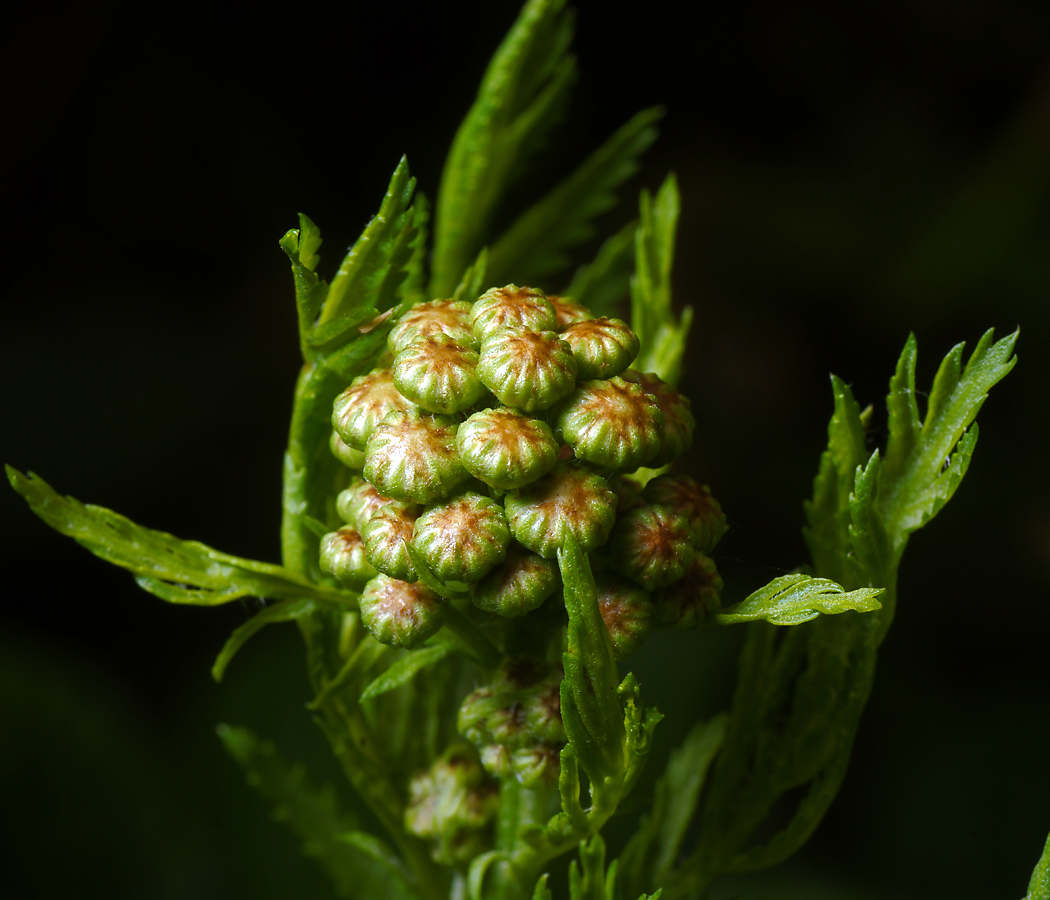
[500, 429]
[515, 722]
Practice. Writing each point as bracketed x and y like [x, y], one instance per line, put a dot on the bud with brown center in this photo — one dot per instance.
[505, 448]
[412, 456]
[364, 404]
[438, 374]
[602, 347]
[529, 370]
[462, 538]
[450, 317]
[399, 613]
[511, 308]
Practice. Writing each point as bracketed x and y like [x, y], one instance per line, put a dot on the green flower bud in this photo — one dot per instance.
[357, 504]
[516, 722]
[511, 308]
[651, 545]
[707, 522]
[343, 555]
[364, 404]
[571, 499]
[386, 535]
[399, 613]
[530, 370]
[628, 493]
[506, 449]
[602, 347]
[568, 311]
[438, 374]
[412, 456]
[613, 424]
[462, 538]
[451, 317]
[678, 417]
[452, 804]
[517, 586]
[347, 455]
[627, 611]
[691, 599]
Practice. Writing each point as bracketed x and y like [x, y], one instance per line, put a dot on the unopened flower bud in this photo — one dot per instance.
[691, 599]
[452, 805]
[520, 584]
[568, 311]
[511, 308]
[707, 522]
[399, 613]
[677, 412]
[530, 370]
[386, 535]
[627, 611]
[438, 374]
[462, 538]
[506, 449]
[651, 546]
[569, 500]
[357, 503]
[412, 456]
[364, 404]
[612, 424]
[451, 317]
[602, 347]
[349, 456]
[343, 555]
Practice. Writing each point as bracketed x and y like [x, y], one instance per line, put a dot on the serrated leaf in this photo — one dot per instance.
[175, 570]
[406, 668]
[601, 285]
[590, 709]
[301, 246]
[536, 244]
[521, 93]
[378, 257]
[796, 598]
[360, 865]
[662, 335]
[285, 611]
[1039, 886]
[473, 281]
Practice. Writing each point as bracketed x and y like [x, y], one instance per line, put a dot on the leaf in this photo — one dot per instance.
[175, 570]
[406, 668]
[523, 89]
[473, 281]
[536, 244]
[661, 334]
[920, 472]
[301, 246]
[376, 263]
[285, 611]
[603, 283]
[360, 865]
[590, 709]
[1039, 886]
[796, 598]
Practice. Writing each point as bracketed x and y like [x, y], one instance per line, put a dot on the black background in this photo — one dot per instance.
[846, 177]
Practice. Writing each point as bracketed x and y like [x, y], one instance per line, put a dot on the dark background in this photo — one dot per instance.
[846, 177]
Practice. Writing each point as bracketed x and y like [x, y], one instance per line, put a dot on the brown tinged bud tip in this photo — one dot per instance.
[627, 611]
[529, 370]
[651, 546]
[511, 308]
[505, 448]
[707, 522]
[364, 404]
[438, 374]
[412, 456]
[449, 317]
[399, 613]
[462, 538]
[691, 599]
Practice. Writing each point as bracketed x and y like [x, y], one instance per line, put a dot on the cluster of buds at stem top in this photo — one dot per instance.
[500, 429]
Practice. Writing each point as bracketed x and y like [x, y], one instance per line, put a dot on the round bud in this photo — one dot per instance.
[462, 538]
[678, 417]
[359, 502]
[530, 370]
[707, 522]
[451, 317]
[399, 613]
[506, 449]
[364, 404]
[651, 546]
[438, 374]
[627, 611]
[343, 555]
[349, 456]
[691, 599]
[613, 424]
[602, 347]
[568, 311]
[518, 585]
[511, 308]
[386, 535]
[570, 499]
[412, 456]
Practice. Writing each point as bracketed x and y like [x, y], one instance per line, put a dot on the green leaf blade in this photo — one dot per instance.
[793, 599]
[406, 668]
